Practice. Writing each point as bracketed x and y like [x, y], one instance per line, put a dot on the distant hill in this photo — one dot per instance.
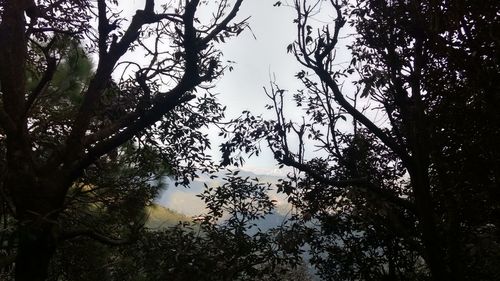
[185, 201]
[162, 217]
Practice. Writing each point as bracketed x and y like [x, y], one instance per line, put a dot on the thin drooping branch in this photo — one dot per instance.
[359, 116]
[320, 66]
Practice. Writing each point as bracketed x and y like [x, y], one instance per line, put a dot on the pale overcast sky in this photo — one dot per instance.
[256, 60]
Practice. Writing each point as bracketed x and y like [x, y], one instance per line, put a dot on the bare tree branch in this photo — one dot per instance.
[223, 25]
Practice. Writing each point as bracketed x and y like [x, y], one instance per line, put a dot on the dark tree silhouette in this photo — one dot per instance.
[416, 176]
[51, 136]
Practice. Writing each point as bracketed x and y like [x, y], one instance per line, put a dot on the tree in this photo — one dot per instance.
[415, 179]
[224, 244]
[50, 138]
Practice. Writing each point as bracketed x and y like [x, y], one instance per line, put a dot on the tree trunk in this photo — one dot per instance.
[35, 249]
[37, 209]
[427, 224]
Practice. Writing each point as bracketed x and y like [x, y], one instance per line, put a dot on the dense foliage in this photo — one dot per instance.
[82, 145]
[395, 161]
[223, 245]
[404, 180]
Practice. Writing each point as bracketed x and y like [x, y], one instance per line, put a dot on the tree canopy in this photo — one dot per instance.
[404, 181]
[61, 121]
[395, 164]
